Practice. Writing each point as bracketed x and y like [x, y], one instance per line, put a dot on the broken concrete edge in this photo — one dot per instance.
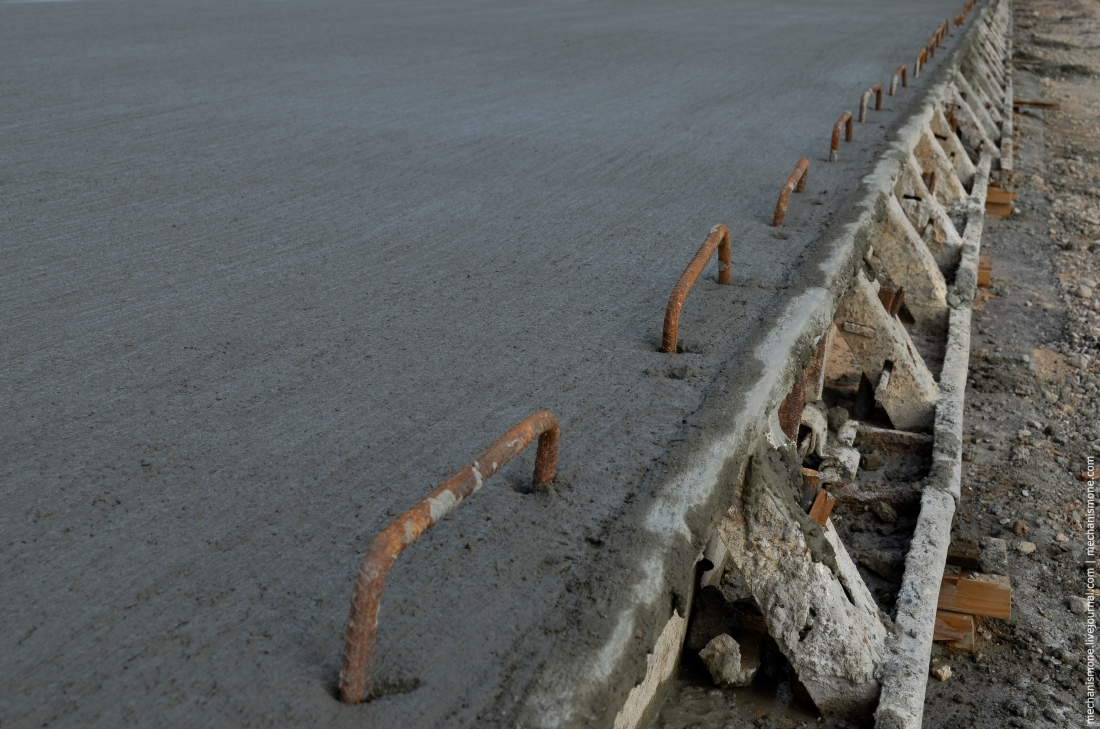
[908, 650]
[684, 497]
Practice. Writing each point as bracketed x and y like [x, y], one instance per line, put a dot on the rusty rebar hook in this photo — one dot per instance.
[902, 71]
[795, 183]
[719, 238]
[845, 121]
[355, 676]
[877, 91]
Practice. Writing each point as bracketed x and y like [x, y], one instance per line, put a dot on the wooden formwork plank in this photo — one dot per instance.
[988, 595]
[965, 555]
[823, 506]
[955, 629]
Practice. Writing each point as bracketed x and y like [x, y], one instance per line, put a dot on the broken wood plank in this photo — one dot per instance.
[998, 202]
[985, 271]
[811, 488]
[965, 555]
[955, 629]
[894, 441]
[822, 507]
[1036, 103]
[988, 595]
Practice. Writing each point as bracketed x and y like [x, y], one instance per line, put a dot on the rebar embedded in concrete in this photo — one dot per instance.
[719, 238]
[877, 91]
[845, 121]
[355, 676]
[902, 71]
[795, 183]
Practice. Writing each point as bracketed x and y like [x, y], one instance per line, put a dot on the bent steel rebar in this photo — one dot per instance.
[845, 121]
[877, 91]
[719, 238]
[355, 676]
[903, 72]
[795, 183]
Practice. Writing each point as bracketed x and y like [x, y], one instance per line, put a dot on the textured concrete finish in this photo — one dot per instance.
[271, 271]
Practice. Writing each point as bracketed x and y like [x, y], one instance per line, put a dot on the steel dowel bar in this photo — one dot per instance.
[845, 121]
[355, 676]
[719, 238]
[795, 183]
[903, 72]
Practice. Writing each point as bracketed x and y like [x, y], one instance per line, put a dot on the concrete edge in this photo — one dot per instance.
[905, 667]
[689, 493]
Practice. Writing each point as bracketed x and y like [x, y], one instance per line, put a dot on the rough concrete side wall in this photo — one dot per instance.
[911, 265]
[904, 674]
[877, 338]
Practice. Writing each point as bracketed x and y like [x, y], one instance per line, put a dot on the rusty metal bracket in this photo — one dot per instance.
[903, 72]
[877, 91]
[355, 676]
[845, 121]
[795, 183]
[719, 238]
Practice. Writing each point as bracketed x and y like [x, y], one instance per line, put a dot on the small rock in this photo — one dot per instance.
[884, 564]
[1077, 605]
[1020, 528]
[722, 657]
[994, 556]
[1026, 547]
[873, 462]
[1062, 537]
[1083, 292]
[1023, 435]
[942, 673]
[837, 418]
[885, 512]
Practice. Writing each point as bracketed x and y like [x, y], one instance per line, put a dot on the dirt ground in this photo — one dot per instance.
[1032, 402]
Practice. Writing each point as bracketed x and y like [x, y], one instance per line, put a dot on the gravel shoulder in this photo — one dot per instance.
[1032, 400]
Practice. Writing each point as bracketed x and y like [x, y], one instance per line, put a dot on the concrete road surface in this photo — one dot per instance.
[272, 270]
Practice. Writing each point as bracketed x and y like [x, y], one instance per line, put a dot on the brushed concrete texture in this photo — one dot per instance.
[271, 271]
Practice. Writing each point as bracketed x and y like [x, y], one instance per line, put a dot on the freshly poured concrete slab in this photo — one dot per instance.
[272, 271]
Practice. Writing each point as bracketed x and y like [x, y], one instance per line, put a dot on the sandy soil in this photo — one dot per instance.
[1032, 404]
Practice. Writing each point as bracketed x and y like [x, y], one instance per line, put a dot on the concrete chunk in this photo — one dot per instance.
[723, 659]
[814, 602]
